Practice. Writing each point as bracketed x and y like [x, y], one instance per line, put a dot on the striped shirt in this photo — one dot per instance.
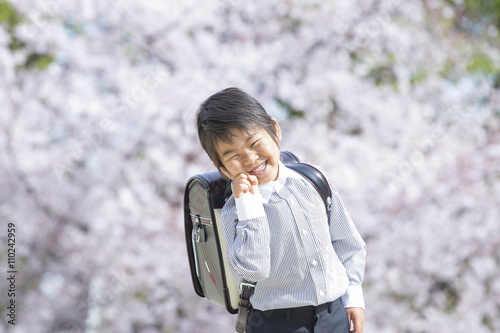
[282, 239]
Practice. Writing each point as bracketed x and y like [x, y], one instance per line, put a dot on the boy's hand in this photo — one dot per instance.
[244, 183]
[357, 317]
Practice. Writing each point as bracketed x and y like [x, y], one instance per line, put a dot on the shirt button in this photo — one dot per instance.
[314, 262]
[304, 231]
[321, 293]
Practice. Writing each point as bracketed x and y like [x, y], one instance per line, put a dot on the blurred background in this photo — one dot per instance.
[398, 101]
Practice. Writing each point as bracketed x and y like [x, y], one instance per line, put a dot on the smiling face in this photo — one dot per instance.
[253, 153]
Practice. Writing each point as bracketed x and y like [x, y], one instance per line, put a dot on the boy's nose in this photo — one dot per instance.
[250, 159]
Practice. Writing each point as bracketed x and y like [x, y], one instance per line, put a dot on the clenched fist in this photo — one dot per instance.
[244, 184]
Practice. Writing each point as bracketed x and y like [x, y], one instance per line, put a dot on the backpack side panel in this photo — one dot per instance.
[189, 235]
[205, 242]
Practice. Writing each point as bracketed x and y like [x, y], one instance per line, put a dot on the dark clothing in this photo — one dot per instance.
[325, 318]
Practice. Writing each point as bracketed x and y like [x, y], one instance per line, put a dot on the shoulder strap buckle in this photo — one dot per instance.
[247, 289]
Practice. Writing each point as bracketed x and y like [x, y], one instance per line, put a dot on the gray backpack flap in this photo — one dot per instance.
[206, 246]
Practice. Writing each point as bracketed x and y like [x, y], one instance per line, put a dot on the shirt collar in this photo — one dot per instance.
[276, 185]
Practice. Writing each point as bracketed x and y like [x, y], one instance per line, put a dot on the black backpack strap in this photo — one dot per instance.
[244, 306]
[287, 157]
[317, 178]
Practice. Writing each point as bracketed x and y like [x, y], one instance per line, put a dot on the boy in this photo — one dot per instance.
[307, 265]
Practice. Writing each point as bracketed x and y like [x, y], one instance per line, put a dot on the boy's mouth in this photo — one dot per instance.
[258, 170]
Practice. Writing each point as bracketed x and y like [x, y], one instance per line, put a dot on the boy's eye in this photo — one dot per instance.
[255, 143]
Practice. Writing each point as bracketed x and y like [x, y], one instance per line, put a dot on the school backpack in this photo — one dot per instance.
[204, 197]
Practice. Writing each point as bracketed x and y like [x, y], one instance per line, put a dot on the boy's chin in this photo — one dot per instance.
[270, 176]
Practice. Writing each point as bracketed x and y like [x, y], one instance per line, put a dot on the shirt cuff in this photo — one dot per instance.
[353, 298]
[249, 206]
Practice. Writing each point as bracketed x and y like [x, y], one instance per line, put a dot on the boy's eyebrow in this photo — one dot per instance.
[230, 151]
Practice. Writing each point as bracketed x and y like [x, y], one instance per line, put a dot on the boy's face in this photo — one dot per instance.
[255, 153]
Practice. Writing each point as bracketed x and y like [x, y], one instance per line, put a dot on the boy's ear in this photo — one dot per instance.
[277, 129]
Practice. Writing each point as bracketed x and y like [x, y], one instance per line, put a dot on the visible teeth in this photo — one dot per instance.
[262, 166]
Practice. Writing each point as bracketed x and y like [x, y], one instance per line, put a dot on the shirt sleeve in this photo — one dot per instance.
[249, 206]
[246, 230]
[350, 248]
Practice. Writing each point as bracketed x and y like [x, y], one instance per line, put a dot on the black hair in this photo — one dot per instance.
[229, 109]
